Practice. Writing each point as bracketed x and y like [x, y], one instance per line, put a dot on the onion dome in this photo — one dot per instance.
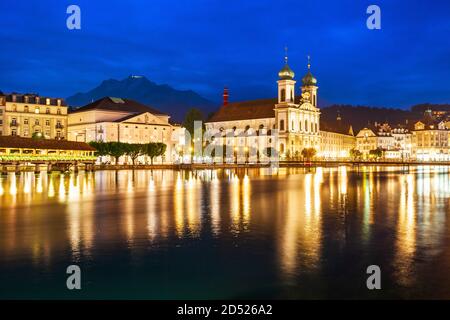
[309, 79]
[286, 73]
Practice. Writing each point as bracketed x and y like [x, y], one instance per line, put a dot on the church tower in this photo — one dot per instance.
[286, 83]
[309, 87]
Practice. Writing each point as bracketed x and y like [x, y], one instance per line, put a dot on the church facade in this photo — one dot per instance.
[295, 119]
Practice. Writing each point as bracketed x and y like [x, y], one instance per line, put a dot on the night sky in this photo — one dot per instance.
[205, 44]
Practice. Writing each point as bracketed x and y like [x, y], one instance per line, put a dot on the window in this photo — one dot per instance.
[25, 109]
[58, 111]
[306, 125]
[36, 122]
[36, 110]
[13, 132]
[47, 111]
[25, 121]
[283, 95]
[47, 123]
[300, 126]
[281, 125]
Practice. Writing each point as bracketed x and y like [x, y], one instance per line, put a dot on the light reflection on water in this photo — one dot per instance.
[294, 233]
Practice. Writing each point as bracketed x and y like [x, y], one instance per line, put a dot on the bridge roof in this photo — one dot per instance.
[30, 143]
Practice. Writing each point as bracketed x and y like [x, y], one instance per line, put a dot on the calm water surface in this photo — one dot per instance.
[286, 233]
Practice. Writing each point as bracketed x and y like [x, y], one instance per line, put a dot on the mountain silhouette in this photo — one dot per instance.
[163, 97]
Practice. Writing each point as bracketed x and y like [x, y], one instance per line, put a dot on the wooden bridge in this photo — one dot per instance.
[27, 154]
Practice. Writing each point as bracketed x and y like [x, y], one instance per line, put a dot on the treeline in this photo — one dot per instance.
[132, 150]
[363, 116]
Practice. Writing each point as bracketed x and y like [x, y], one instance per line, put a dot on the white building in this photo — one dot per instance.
[430, 139]
[122, 120]
[296, 119]
[395, 143]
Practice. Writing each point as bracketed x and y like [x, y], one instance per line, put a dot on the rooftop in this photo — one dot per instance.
[30, 143]
[118, 104]
[32, 98]
[252, 109]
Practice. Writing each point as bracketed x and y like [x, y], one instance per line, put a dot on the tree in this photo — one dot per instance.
[308, 153]
[116, 150]
[150, 150]
[355, 154]
[133, 150]
[100, 147]
[376, 153]
[192, 115]
[161, 149]
[154, 150]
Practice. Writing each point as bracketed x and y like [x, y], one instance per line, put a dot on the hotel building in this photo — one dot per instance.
[26, 114]
[430, 139]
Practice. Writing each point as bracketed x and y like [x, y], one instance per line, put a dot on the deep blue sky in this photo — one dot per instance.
[205, 44]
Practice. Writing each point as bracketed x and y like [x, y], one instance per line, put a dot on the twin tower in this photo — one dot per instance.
[286, 86]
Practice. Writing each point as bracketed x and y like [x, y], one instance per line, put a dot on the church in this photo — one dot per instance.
[296, 120]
